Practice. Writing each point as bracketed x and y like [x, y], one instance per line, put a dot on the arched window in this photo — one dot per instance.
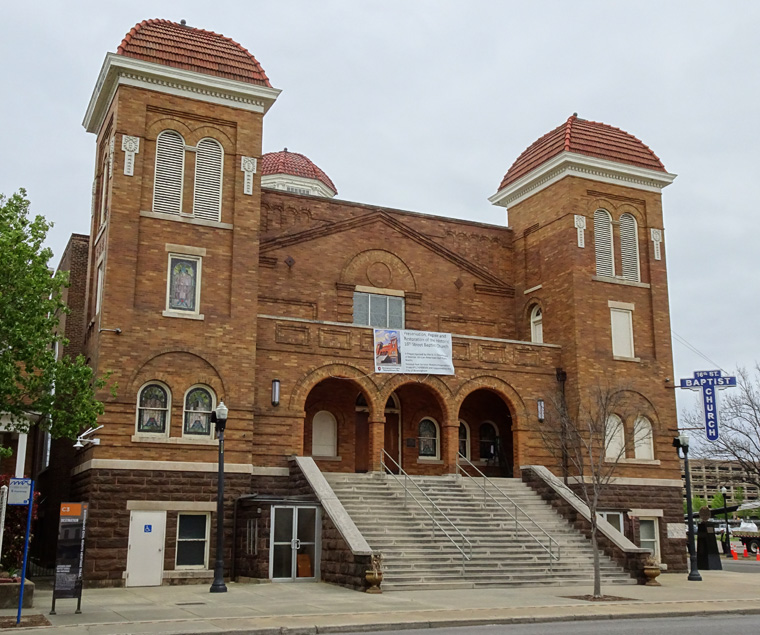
[361, 403]
[464, 439]
[324, 434]
[605, 259]
[643, 442]
[629, 247]
[536, 325]
[428, 439]
[153, 406]
[170, 169]
[614, 439]
[200, 402]
[207, 198]
[489, 441]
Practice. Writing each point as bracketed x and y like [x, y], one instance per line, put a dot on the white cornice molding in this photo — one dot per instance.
[580, 165]
[282, 181]
[121, 70]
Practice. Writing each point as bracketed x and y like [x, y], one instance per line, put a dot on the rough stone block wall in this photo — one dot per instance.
[107, 534]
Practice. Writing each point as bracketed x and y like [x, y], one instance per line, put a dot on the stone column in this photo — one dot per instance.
[376, 443]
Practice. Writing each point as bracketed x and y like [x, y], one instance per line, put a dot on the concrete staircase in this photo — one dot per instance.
[415, 558]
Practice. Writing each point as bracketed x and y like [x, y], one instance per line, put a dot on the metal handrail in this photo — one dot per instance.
[517, 508]
[465, 541]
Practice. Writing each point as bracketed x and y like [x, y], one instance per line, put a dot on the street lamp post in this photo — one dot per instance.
[726, 534]
[682, 442]
[219, 417]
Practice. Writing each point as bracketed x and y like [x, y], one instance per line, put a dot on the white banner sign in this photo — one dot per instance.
[413, 352]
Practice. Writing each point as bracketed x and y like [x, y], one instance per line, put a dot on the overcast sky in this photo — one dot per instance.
[424, 105]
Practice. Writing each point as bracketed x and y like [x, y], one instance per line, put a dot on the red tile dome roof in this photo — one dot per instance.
[591, 138]
[294, 164]
[180, 46]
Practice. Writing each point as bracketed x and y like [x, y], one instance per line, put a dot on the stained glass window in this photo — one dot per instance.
[183, 284]
[198, 406]
[428, 432]
[153, 409]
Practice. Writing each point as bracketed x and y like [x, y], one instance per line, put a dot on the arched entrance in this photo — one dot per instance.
[329, 431]
[485, 432]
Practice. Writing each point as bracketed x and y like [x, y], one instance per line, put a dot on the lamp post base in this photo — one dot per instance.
[221, 587]
[694, 576]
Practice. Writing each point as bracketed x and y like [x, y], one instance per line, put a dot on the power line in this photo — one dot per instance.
[696, 351]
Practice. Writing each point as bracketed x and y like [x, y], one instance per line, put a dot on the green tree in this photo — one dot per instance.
[35, 387]
[716, 502]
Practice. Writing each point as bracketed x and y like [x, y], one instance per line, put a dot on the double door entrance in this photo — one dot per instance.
[295, 543]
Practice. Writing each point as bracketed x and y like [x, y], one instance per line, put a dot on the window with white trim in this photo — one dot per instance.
[643, 442]
[169, 174]
[621, 321]
[629, 247]
[614, 439]
[464, 439]
[183, 284]
[104, 191]
[649, 536]
[379, 311]
[429, 439]
[614, 518]
[153, 409]
[324, 435]
[192, 541]
[200, 402]
[536, 325]
[207, 194]
[99, 288]
[605, 255]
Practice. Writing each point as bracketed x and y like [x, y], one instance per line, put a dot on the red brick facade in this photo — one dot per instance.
[278, 273]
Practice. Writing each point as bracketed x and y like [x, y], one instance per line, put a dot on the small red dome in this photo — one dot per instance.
[294, 164]
[591, 138]
[171, 44]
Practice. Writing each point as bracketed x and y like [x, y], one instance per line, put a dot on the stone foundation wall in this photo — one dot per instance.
[108, 491]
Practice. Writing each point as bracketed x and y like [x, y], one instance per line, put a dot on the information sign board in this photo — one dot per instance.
[413, 352]
[19, 491]
[709, 382]
[70, 552]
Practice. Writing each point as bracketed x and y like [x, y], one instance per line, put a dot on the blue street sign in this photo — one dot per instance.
[709, 382]
[148, 529]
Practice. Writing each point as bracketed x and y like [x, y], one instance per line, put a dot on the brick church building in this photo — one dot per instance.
[217, 273]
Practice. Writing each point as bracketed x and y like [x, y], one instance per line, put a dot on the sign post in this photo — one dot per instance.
[21, 492]
[709, 382]
[69, 560]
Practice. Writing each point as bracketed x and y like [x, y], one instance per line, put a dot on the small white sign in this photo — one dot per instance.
[19, 491]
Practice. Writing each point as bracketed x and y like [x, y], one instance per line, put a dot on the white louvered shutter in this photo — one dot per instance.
[207, 200]
[605, 261]
[629, 247]
[170, 167]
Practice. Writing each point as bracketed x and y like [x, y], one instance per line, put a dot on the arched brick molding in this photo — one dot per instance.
[367, 267]
[304, 386]
[207, 375]
[439, 389]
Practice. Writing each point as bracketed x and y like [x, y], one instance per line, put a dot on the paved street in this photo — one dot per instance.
[318, 607]
[704, 625]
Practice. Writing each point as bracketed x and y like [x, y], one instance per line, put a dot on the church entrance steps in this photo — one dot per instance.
[416, 558]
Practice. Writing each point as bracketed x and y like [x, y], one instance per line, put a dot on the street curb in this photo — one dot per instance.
[485, 621]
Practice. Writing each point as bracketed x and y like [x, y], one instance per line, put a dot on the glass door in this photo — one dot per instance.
[294, 540]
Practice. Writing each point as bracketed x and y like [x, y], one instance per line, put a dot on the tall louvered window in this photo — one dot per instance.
[207, 200]
[605, 259]
[170, 168]
[629, 247]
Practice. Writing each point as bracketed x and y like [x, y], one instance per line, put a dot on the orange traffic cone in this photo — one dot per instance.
[746, 554]
[734, 555]
[758, 555]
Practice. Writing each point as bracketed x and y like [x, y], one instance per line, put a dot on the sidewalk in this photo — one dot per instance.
[322, 608]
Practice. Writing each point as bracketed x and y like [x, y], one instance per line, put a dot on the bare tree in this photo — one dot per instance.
[739, 439]
[588, 440]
